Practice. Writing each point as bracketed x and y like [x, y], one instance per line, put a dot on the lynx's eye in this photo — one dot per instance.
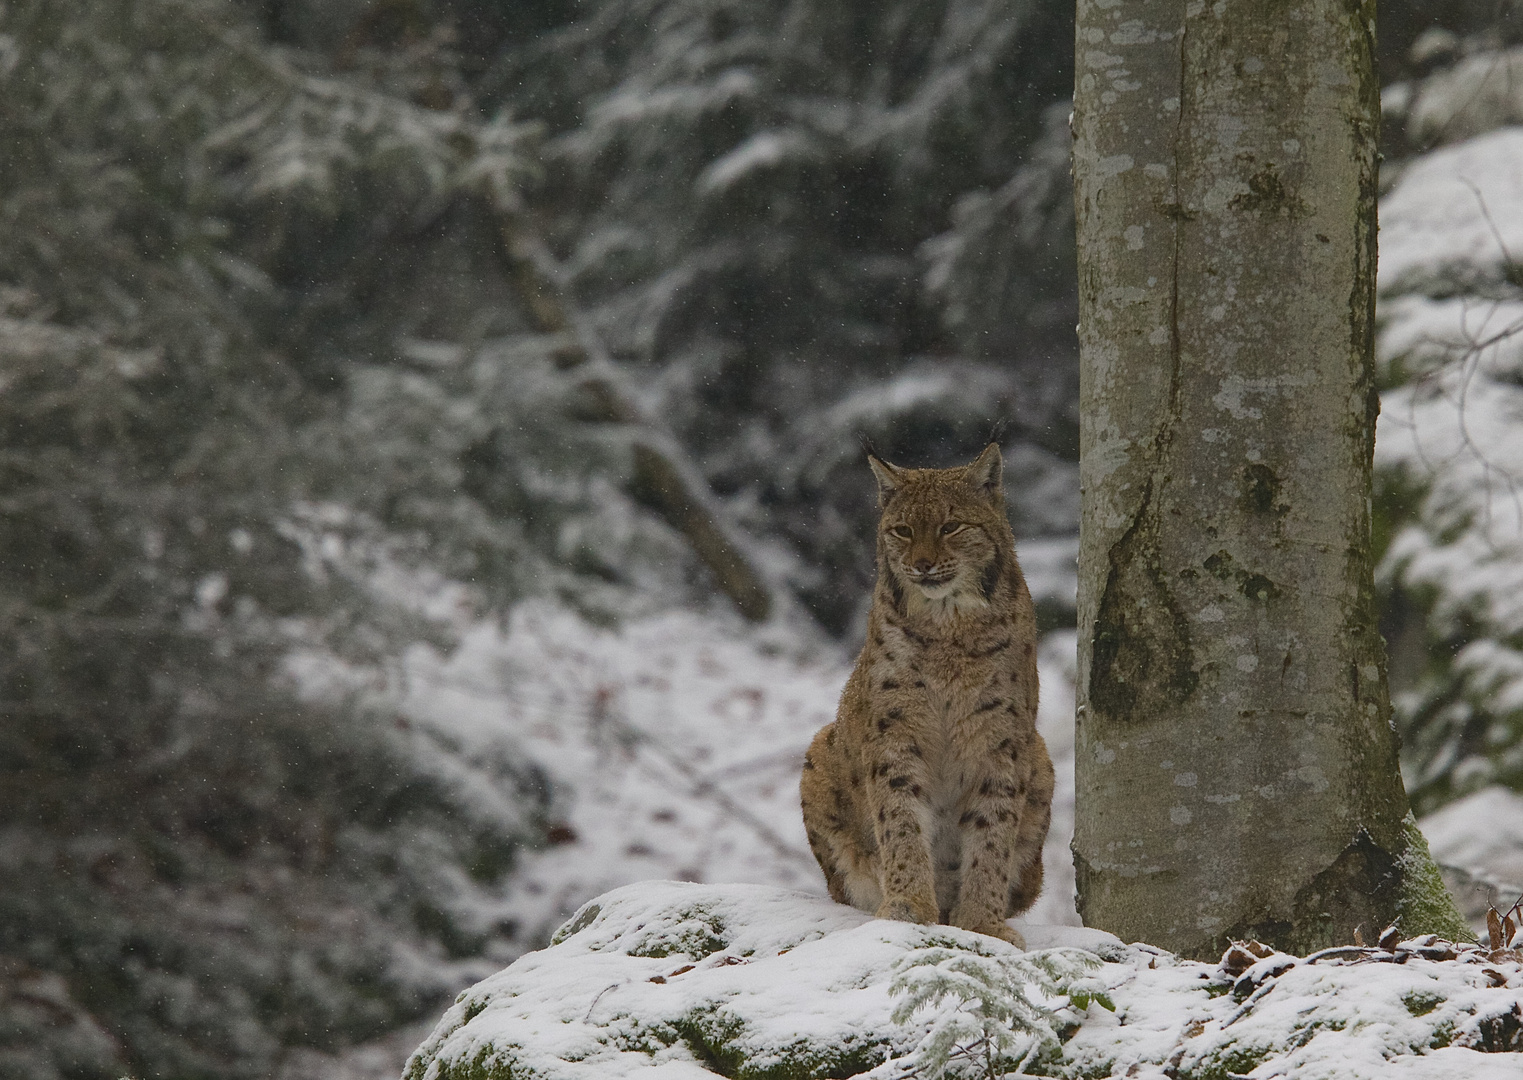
[903, 532]
[951, 527]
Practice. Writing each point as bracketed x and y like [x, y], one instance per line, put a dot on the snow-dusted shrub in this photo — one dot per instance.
[1478, 94]
[989, 1012]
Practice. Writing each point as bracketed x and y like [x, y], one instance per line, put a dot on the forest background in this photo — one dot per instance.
[344, 341]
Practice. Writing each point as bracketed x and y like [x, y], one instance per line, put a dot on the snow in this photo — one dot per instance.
[673, 747]
[1456, 213]
[1051, 568]
[1481, 834]
[637, 101]
[668, 979]
[762, 151]
[775, 976]
[1457, 433]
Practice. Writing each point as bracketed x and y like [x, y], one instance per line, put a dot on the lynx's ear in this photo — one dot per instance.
[983, 476]
[888, 478]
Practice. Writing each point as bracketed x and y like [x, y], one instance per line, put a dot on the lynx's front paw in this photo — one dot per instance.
[907, 910]
[991, 925]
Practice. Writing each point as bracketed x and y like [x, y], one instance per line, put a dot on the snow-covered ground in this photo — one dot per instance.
[682, 981]
[674, 747]
[1481, 834]
[1478, 840]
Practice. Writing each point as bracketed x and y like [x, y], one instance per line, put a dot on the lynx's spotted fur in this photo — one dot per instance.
[929, 797]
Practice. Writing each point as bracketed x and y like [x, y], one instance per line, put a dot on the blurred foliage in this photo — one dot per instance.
[1448, 516]
[801, 222]
[200, 869]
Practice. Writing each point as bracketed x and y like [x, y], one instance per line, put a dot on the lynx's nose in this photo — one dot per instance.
[923, 566]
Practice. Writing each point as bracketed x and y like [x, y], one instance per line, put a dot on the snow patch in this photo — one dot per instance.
[1481, 834]
[1455, 214]
[1447, 455]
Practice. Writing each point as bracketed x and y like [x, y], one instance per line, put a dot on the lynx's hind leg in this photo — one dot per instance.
[833, 823]
[1036, 817]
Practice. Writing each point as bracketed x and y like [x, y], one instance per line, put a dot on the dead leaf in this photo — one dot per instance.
[1237, 959]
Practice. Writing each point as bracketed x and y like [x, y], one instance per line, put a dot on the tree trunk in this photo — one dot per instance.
[1237, 768]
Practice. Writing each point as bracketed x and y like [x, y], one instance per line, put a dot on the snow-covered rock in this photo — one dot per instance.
[678, 980]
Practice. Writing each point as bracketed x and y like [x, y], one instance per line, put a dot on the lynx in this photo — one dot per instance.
[929, 797]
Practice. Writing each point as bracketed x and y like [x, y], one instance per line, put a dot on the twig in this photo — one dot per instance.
[704, 787]
[610, 986]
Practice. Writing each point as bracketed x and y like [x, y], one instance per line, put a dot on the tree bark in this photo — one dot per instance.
[1236, 763]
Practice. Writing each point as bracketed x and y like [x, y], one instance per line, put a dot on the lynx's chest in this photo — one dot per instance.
[951, 676]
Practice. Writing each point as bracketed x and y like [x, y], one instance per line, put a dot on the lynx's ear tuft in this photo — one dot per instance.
[983, 476]
[888, 478]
